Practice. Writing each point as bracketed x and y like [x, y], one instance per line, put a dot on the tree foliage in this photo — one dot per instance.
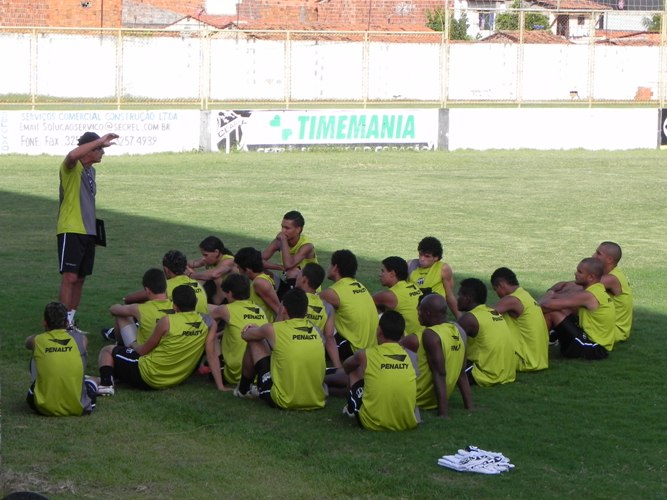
[458, 28]
[509, 21]
[653, 23]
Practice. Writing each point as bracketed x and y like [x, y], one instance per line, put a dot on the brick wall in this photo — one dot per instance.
[337, 14]
[61, 13]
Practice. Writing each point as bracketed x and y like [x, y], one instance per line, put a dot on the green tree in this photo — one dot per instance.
[458, 28]
[509, 21]
[652, 23]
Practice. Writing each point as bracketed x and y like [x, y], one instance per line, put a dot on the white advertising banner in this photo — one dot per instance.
[273, 131]
[57, 132]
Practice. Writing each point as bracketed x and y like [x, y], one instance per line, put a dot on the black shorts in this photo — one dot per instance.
[575, 343]
[344, 347]
[126, 367]
[76, 253]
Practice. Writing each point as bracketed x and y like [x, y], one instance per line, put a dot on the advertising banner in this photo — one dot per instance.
[57, 132]
[275, 131]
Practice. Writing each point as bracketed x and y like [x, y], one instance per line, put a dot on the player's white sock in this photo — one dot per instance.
[70, 316]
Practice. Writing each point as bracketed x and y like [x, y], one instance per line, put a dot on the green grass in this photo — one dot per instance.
[594, 430]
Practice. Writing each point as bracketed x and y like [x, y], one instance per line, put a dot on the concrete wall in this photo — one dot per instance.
[189, 67]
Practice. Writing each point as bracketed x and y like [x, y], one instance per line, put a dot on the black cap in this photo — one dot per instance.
[88, 137]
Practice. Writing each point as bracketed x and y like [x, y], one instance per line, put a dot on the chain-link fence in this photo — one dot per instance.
[547, 54]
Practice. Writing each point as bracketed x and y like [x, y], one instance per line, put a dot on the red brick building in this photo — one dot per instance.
[257, 14]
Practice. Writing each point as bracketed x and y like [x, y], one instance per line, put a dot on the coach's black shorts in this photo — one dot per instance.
[575, 343]
[126, 367]
[76, 253]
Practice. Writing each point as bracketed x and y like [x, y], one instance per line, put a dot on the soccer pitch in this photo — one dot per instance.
[585, 429]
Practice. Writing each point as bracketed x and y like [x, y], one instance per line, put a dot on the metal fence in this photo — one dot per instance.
[481, 56]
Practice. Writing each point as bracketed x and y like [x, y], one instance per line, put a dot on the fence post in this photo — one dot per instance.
[33, 68]
[590, 90]
[119, 67]
[287, 85]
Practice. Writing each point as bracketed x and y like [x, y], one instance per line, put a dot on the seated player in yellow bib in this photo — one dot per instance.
[353, 315]
[174, 265]
[59, 359]
[168, 357]
[617, 285]
[401, 295]
[218, 262]
[287, 357]
[263, 287]
[146, 314]
[237, 313]
[309, 280]
[441, 358]
[295, 250]
[525, 320]
[383, 382]
[582, 317]
[431, 274]
[491, 350]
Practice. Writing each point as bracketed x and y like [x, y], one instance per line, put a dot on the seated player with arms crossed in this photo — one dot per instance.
[287, 357]
[383, 388]
[295, 250]
[59, 358]
[582, 318]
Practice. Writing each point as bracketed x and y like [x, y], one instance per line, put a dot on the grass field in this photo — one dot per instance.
[590, 430]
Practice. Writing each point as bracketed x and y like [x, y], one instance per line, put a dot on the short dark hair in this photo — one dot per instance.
[432, 246]
[398, 265]
[613, 250]
[155, 280]
[295, 217]
[175, 261]
[594, 266]
[55, 315]
[88, 137]
[346, 262]
[473, 288]
[295, 302]
[392, 325]
[249, 258]
[314, 273]
[504, 274]
[213, 243]
[238, 285]
[184, 298]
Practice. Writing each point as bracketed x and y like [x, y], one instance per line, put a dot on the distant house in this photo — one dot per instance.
[573, 18]
[533, 36]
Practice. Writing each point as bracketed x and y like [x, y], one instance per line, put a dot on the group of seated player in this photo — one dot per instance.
[285, 340]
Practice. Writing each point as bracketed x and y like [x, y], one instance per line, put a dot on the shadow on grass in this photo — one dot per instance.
[540, 419]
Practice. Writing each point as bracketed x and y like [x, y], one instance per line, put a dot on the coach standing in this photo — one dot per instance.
[76, 228]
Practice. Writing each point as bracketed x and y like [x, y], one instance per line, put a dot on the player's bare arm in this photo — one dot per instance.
[161, 329]
[509, 304]
[436, 363]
